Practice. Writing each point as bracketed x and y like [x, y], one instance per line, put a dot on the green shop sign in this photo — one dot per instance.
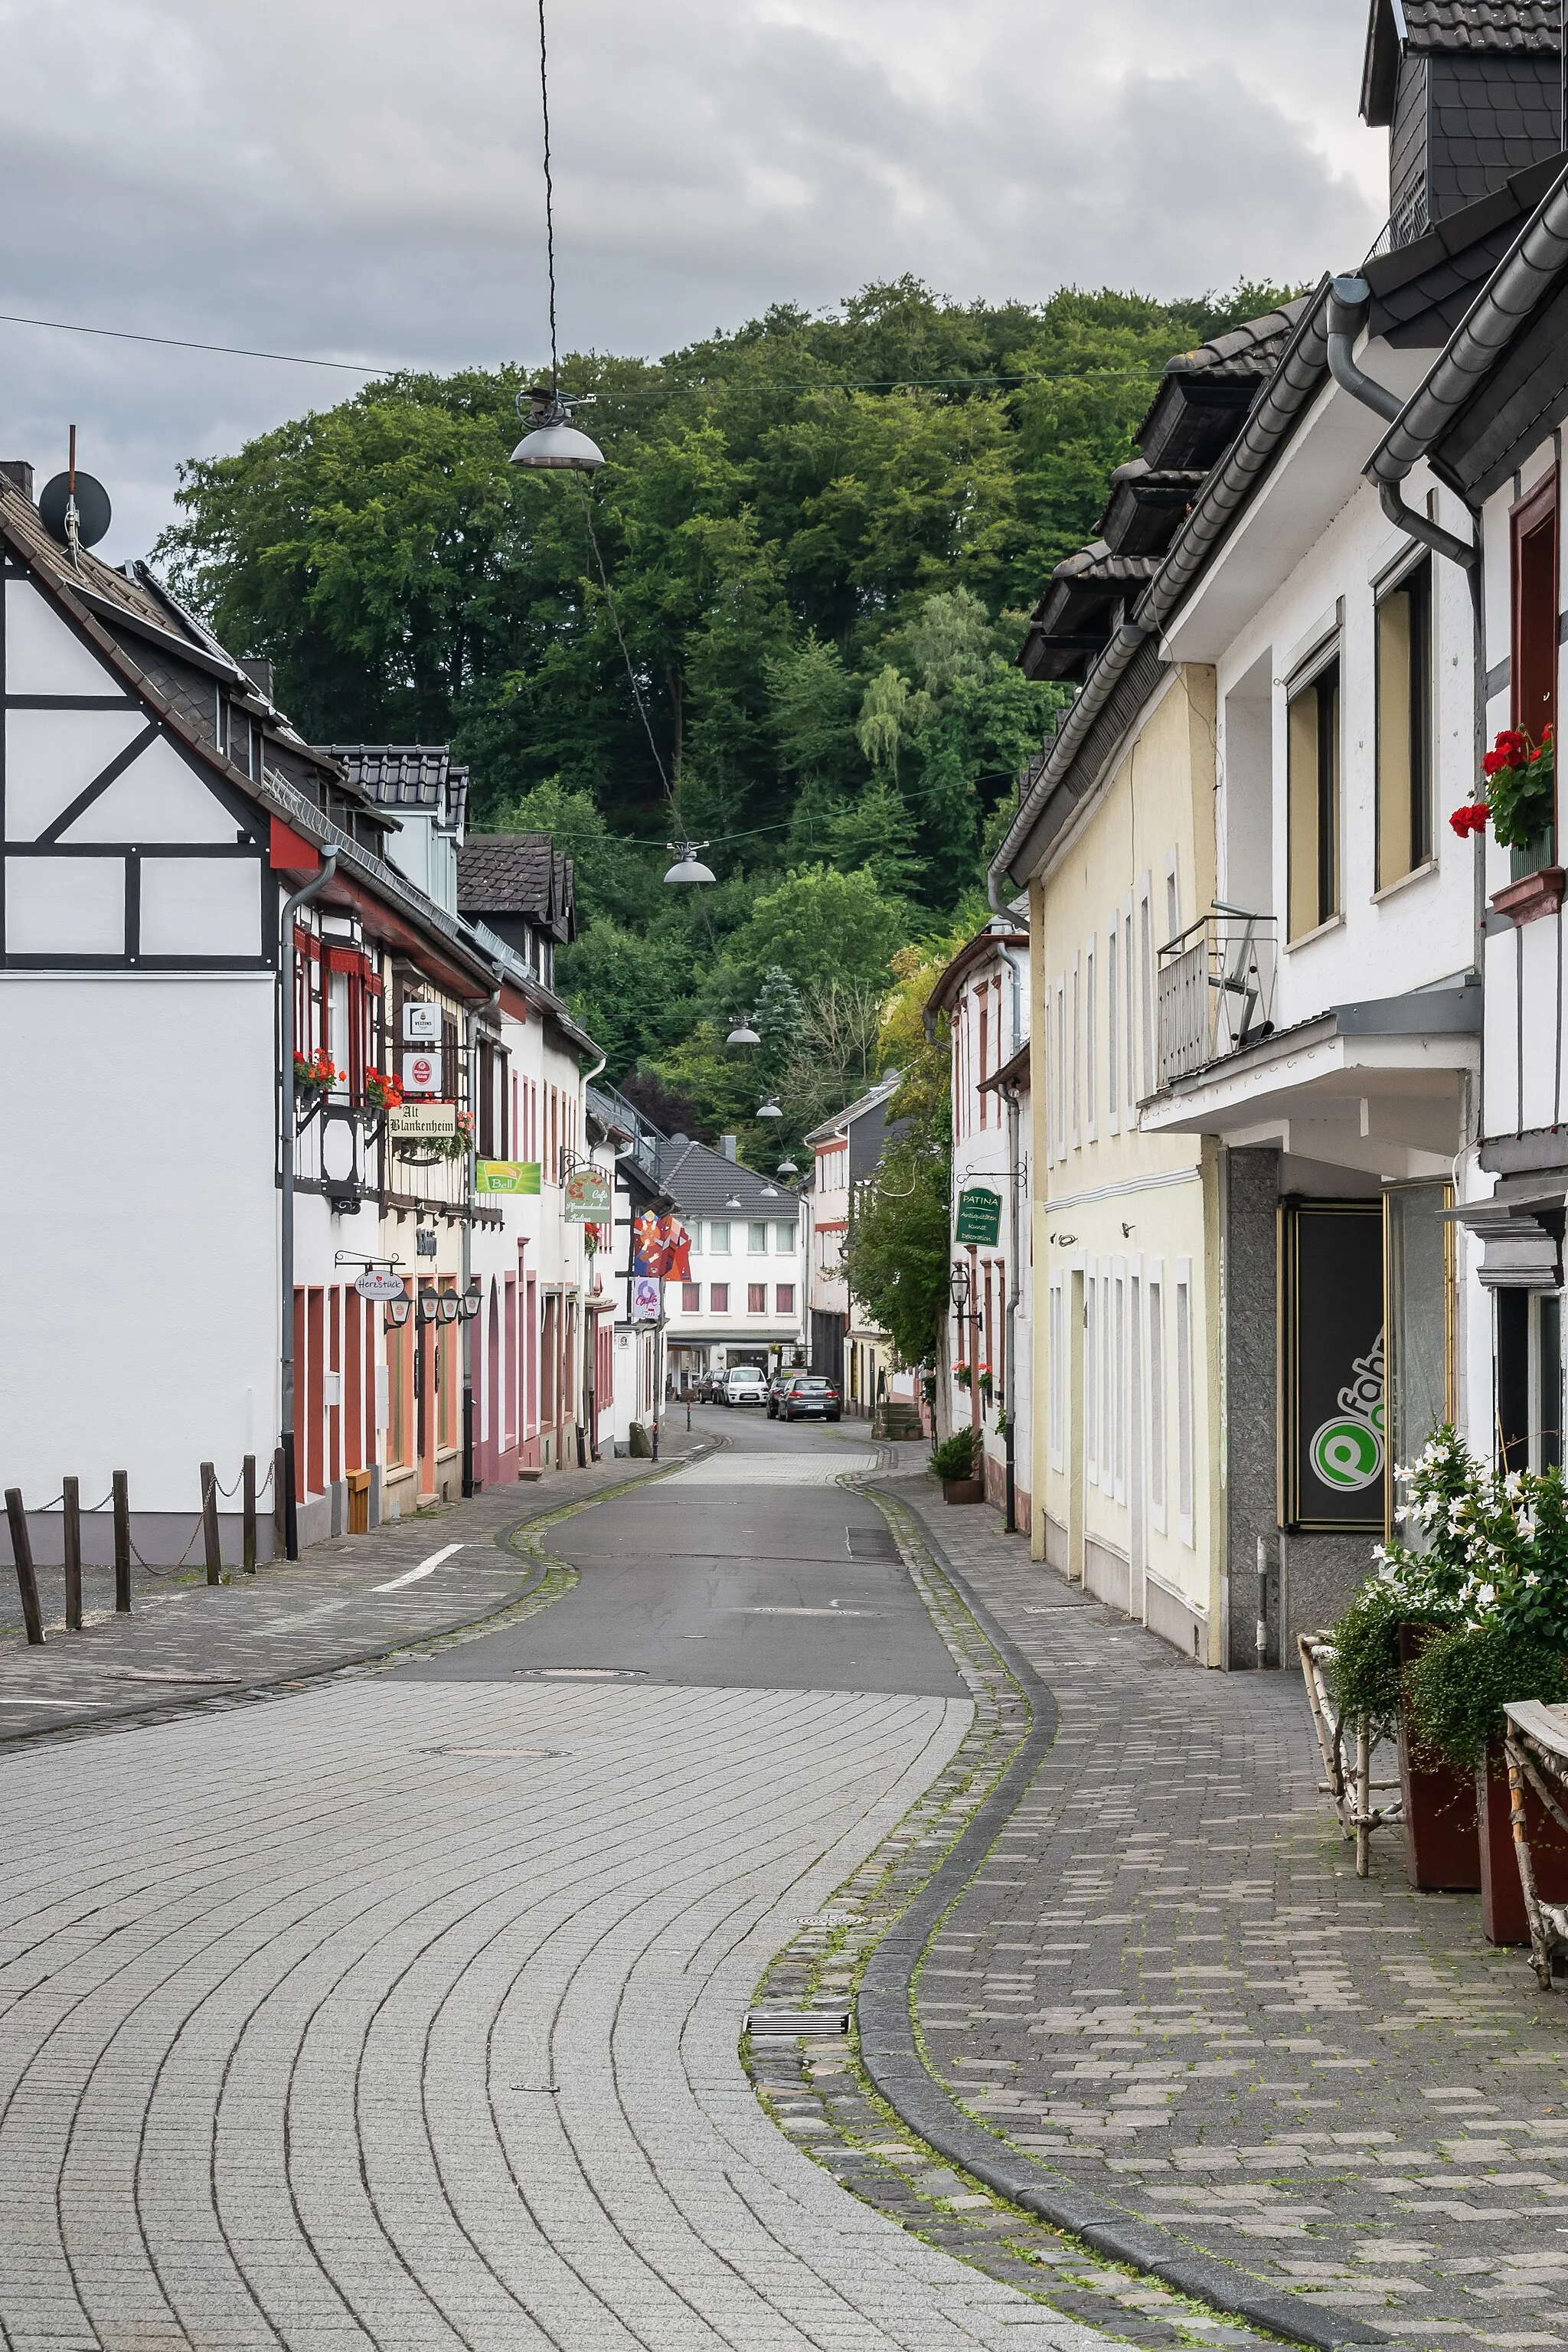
[979, 1217]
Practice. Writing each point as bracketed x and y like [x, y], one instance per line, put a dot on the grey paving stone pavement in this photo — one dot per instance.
[1167, 1984]
[406, 2015]
[353, 1597]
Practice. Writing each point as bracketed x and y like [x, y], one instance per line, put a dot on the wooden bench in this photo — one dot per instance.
[1536, 1746]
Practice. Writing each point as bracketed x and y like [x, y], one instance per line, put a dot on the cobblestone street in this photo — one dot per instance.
[1169, 1987]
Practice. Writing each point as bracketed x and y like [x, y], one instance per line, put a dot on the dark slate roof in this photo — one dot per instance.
[703, 1181]
[1205, 394]
[1146, 506]
[517, 874]
[408, 776]
[1421, 291]
[1450, 27]
[1073, 618]
[1483, 24]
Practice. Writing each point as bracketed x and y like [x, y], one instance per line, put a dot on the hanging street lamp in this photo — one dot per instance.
[555, 444]
[769, 1109]
[787, 1167]
[688, 866]
[742, 1034]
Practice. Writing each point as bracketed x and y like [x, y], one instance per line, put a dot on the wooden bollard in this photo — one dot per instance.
[209, 1523]
[22, 1553]
[120, 1487]
[71, 1530]
[249, 1501]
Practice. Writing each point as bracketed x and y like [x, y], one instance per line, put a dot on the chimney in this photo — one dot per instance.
[727, 1146]
[17, 471]
[259, 673]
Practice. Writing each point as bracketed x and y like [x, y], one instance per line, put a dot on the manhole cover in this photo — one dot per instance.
[581, 1673]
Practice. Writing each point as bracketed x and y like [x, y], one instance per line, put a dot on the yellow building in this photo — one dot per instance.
[1126, 1334]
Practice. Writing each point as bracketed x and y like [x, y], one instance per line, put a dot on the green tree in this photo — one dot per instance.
[897, 1252]
[817, 925]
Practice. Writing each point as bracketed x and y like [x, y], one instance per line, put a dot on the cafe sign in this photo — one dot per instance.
[588, 1198]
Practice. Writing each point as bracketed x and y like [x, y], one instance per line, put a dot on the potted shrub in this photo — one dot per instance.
[1511, 1643]
[954, 1464]
[961, 1374]
[984, 1381]
[1417, 1591]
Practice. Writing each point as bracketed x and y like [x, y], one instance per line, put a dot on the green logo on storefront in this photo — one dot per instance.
[1346, 1453]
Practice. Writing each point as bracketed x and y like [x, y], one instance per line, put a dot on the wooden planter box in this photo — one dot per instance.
[964, 1490]
[1504, 1919]
[1441, 1849]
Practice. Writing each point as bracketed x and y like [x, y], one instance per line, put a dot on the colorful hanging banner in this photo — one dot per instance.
[506, 1176]
[661, 1247]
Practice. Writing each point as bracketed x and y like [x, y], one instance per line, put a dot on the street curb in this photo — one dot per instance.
[150, 1711]
[890, 2052]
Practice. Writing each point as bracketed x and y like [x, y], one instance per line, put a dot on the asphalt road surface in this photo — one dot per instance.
[754, 1571]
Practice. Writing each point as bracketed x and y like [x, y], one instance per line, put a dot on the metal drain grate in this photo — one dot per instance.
[581, 1673]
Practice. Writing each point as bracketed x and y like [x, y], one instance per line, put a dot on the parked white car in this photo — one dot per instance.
[744, 1384]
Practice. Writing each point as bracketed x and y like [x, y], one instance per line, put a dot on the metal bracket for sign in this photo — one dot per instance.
[361, 1257]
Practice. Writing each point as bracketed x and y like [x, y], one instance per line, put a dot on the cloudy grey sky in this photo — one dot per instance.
[360, 179]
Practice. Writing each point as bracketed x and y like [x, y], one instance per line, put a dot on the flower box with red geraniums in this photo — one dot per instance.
[382, 1090]
[316, 1074]
[1521, 792]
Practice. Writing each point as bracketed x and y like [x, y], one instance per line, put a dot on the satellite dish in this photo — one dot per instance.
[93, 511]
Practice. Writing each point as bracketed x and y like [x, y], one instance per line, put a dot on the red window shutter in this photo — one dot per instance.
[1533, 540]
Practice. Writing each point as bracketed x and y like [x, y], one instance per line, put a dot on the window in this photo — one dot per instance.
[1184, 1399]
[1091, 1376]
[1156, 1397]
[756, 1297]
[1313, 791]
[983, 1071]
[785, 1237]
[1119, 1385]
[718, 1298]
[1061, 1070]
[1090, 1045]
[1056, 1373]
[692, 1298]
[1404, 726]
[1128, 969]
[757, 1240]
[783, 1298]
[719, 1240]
[1077, 1048]
[1107, 1384]
[1112, 1028]
[1533, 534]
[1145, 992]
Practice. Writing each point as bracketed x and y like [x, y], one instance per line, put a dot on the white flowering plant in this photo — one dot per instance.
[1482, 1564]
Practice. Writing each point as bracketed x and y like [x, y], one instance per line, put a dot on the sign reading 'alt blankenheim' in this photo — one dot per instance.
[415, 1118]
[979, 1217]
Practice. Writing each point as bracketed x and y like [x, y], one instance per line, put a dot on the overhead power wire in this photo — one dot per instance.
[624, 392]
[549, 198]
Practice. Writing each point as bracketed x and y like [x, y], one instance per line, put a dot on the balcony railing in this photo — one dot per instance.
[1215, 989]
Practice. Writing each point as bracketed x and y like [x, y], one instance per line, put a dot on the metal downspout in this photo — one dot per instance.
[311, 889]
[591, 1404]
[476, 1014]
[1349, 305]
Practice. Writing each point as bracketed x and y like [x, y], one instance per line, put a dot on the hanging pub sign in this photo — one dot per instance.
[1334, 1364]
[415, 1119]
[661, 1249]
[506, 1176]
[421, 1022]
[421, 1072]
[587, 1196]
[979, 1217]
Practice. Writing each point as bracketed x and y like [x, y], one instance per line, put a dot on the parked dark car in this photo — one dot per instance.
[776, 1388]
[806, 1398]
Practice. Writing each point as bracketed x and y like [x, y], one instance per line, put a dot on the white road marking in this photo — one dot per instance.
[40, 1701]
[425, 1568]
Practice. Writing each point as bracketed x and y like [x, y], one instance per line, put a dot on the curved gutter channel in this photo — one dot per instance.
[891, 2055]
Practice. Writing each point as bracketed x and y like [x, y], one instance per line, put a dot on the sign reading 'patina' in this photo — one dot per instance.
[979, 1217]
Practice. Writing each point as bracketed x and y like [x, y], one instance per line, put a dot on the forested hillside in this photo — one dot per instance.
[822, 535]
